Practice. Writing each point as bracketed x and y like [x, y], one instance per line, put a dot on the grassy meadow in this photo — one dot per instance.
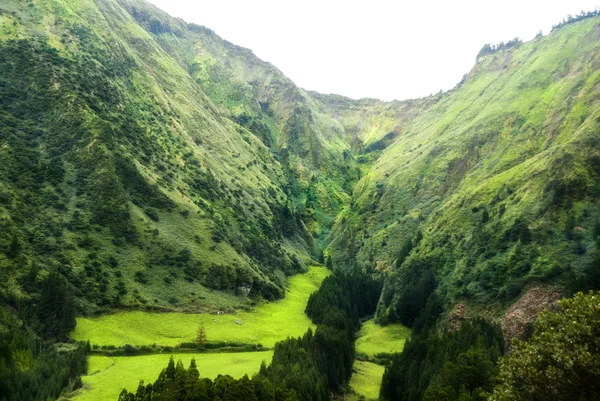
[109, 375]
[267, 324]
[375, 339]
[366, 379]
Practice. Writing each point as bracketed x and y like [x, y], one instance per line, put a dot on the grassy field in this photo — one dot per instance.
[268, 324]
[366, 379]
[109, 375]
[375, 339]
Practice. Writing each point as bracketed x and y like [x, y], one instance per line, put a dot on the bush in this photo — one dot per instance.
[561, 360]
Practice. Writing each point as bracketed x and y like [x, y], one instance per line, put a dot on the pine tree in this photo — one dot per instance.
[201, 337]
[485, 216]
[14, 247]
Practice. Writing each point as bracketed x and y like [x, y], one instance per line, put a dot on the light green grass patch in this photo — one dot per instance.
[109, 375]
[366, 379]
[375, 339]
[267, 324]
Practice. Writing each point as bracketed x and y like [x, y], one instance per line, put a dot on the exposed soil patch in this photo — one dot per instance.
[526, 309]
[457, 316]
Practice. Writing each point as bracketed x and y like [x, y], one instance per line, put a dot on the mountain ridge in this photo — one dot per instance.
[186, 152]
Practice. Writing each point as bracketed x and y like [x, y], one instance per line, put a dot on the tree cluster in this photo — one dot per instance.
[416, 282]
[490, 49]
[302, 369]
[33, 369]
[574, 18]
[459, 365]
[356, 295]
[177, 383]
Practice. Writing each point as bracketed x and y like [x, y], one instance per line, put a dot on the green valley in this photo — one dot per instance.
[164, 192]
[375, 339]
[265, 324]
[109, 375]
[366, 379]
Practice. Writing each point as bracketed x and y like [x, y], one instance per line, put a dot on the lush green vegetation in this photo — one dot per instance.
[304, 368]
[366, 379]
[34, 369]
[450, 366]
[494, 184]
[265, 324]
[375, 339]
[561, 360]
[148, 164]
[109, 375]
[355, 295]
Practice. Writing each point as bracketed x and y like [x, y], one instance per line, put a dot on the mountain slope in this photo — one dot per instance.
[308, 143]
[120, 173]
[492, 187]
[150, 162]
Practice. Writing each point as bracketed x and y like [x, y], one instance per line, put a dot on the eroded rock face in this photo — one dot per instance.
[535, 300]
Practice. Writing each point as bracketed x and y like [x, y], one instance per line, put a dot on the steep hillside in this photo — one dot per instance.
[148, 162]
[487, 188]
[310, 145]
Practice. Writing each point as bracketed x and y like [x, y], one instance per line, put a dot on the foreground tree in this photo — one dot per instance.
[201, 337]
[561, 361]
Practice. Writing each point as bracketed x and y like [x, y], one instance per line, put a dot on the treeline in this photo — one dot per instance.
[355, 294]
[177, 383]
[459, 365]
[34, 363]
[490, 49]
[33, 369]
[574, 18]
[302, 369]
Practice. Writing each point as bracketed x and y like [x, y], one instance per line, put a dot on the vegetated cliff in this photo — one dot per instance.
[486, 189]
[145, 157]
[150, 162]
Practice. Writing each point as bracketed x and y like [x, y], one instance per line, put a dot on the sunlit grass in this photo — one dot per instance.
[366, 379]
[267, 324]
[109, 375]
[376, 339]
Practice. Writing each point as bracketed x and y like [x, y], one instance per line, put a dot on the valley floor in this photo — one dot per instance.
[109, 375]
[266, 324]
[366, 379]
[375, 339]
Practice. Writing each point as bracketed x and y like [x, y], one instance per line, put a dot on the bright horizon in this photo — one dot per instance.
[386, 50]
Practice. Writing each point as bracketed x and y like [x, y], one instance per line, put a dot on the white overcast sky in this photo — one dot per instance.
[376, 48]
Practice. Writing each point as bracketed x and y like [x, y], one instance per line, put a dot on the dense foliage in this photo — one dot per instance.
[303, 369]
[459, 365]
[34, 369]
[561, 360]
[356, 295]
